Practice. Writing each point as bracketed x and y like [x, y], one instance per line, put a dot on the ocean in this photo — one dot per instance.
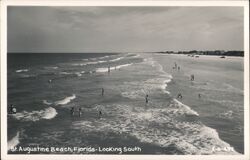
[111, 91]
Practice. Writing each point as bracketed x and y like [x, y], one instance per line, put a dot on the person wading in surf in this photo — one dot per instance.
[80, 112]
[99, 113]
[108, 69]
[72, 111]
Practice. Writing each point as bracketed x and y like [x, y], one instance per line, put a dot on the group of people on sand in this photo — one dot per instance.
[179, 95]
[176, 66]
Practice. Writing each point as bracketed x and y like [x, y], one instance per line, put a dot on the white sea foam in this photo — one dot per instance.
[117, 59]
[188, 110]
[14, 141]
[104, 57]
[51, 67]
[46, 102]
[102, 70]
[156, 126]
[88, 63]
[138, 89]
[79, 74]
[164, 86]
[65, 73]
[226, 115]
[27, 75]
[65, 100]
[47, 113]
[22, 70]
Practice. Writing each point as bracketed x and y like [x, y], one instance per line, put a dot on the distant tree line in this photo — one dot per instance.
[216, 52]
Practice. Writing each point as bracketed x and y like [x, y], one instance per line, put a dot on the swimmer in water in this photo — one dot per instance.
[12, 109]
[179, 96]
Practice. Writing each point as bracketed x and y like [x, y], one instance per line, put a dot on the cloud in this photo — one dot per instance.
[103, 29]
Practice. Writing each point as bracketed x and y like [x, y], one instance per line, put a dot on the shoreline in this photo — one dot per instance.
[190, 91]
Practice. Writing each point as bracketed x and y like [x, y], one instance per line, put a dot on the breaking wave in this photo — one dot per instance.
[14, 141]
[102, 70]
[157, 126]
[66, 100]
[22, 70]
[47, 113]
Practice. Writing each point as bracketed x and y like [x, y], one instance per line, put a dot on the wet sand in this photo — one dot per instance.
[220, 85]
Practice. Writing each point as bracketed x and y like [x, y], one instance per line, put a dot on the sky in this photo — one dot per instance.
[123, 29]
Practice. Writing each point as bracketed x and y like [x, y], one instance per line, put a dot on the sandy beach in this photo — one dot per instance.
[220, 85]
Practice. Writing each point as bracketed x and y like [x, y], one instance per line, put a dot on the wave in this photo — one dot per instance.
[47, 113]
[65, 73]
[22, 70]
[157, 126]
[117, 59]
[187, 109]
[51, 67]
[14, 141]
[27, 75]
[97, 62]
[104, 57]
[226, 115]
[46, 102]
[79, 74]
[65, 100]
[164, 85]
[102, 70]
[138, 89]
[88, 63]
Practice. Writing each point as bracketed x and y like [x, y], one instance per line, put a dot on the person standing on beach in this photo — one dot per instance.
[146, 99]
[175, 65]
[192, 77]
[199, 95]
[179, 68]
[102, 92]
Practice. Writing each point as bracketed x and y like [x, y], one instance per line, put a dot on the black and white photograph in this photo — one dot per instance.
[125, 80]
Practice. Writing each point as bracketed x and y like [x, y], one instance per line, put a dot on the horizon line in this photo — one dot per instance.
[133, 51]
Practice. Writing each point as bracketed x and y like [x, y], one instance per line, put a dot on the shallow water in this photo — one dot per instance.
[45, 93]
